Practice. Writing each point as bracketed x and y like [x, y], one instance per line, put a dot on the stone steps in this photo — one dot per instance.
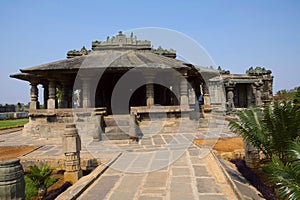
[116, 127]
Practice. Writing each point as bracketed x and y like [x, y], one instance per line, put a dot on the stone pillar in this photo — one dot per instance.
[99, 128]
[206, 99]
[65, 95]
[251, 155]
[70, 97]
[230, 100]
[258, 100]
[51, 103]
[230, 95]
[34, 94]
[86, 93]
[133, 126]
[149, 89]
[175, 89]
[149, 94]
[46, 95]
[184, 99]
[71, 148]
[249, 96]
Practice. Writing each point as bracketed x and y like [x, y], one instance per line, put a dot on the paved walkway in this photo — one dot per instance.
[195, 174]
[160, 166]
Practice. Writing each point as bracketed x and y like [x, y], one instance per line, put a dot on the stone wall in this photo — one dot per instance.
[51, 123]
[13, 115]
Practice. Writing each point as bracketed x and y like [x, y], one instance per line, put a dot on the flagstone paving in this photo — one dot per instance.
[161, 166]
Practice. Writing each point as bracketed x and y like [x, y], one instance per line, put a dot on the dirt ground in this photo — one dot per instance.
[10, 152]
[222, 145]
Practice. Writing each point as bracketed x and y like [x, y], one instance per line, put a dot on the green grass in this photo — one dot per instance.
[12, 123]
[31, 187]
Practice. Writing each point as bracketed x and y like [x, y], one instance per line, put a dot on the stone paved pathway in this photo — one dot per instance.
[165, 165]
[194, 175]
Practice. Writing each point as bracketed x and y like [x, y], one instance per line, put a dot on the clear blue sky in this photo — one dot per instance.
[236, 34]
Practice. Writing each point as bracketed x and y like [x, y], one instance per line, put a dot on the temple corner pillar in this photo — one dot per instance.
[34, 92]
[51, 102]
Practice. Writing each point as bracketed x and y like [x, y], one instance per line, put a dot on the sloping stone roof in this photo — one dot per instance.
[112, 59]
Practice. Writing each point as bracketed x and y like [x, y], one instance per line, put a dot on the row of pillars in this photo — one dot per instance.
[184, 100]
[50, 100]
[256, 88]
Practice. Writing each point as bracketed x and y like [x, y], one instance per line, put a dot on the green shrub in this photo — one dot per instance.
[31, 188]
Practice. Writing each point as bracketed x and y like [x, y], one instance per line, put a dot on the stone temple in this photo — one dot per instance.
[122, 81]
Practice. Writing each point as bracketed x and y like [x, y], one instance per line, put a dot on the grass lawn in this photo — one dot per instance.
[12, 123]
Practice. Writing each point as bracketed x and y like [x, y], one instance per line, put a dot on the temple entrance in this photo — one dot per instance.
[240, 96]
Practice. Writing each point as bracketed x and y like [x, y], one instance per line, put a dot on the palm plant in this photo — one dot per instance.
[251, 128]
[286, 175]
[282, 122]
[275, 131]
[40, 175]
[270, 130]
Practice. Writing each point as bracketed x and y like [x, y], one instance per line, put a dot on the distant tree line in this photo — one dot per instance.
[292, 95]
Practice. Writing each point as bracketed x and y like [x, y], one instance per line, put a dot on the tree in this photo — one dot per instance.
[297, 95]
[286, 176]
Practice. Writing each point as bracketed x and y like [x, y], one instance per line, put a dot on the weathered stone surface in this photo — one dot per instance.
[156, 179]
[200, 170]
[207, 185]
[181, 171]
[101, 188]
[73, 176]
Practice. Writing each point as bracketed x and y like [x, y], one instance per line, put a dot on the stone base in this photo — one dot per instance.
[72, 177]
[51, 104]
[51, 123]
[34, 105]
[207, 108]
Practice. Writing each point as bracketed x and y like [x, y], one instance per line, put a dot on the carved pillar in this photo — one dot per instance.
[71, 148]
[249, 96]
[184, 99]
[66, 95]
[230, 96]
[34, 94]
[150, 94]
[51, 103]
[251, 155]
[149, 89]
[86, 93]
[46, 95]
[70, 97]
[258, 100]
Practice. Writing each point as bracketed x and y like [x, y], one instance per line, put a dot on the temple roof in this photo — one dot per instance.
[111, 59]
[116, 53]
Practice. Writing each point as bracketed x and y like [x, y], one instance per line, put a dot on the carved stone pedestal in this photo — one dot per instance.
[71, 149]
